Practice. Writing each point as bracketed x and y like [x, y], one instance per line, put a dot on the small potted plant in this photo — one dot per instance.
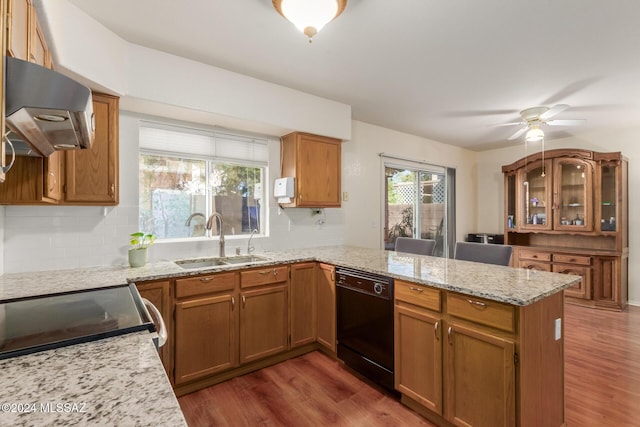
[139, 242]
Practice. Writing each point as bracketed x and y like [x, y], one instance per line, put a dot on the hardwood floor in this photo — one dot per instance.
[602, 385]
[602, 367]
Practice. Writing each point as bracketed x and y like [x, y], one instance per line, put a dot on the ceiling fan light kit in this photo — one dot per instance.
[533, 118]
[534, 134]
[310, 16]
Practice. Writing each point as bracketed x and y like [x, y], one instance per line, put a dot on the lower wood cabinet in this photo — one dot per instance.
[326, 306]
[206, 326]
[479, 378]
[418, 355]
[159, 294]
[603, 277]
[457, 358]
[303, 304]
[264, 322]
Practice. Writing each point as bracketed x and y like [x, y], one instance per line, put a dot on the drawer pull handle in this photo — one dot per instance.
[416, 289]
[435, 329]
[476, 303]
[264, 272]
[206, 279]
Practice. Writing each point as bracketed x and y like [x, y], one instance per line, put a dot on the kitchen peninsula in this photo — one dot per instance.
[518, 311]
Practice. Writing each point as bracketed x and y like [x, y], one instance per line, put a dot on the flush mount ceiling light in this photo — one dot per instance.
[309, 16]
[534, 134]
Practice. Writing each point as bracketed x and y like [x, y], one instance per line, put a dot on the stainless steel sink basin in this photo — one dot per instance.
[200, 263]
[189, 264]
[244, 259]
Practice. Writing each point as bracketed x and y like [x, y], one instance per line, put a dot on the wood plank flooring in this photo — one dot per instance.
[602, 385]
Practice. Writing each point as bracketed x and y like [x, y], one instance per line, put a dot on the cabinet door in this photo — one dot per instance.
[480, 378]
[264, 322]
[581, 289]
[608, 292]
[609, 214]
[573, 194]
[318, 172]
[206, 337]
[92, 174]
[326, 288]
[418, 356]
[158, 294]
[38, 50]
[536, 196]
[303, 304]
[18, 28]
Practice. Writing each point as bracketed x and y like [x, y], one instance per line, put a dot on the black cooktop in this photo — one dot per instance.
[28, 325]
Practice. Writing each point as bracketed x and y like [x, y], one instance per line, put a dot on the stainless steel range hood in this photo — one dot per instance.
[45, 109]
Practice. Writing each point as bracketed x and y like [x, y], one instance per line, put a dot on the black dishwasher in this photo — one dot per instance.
[364, 308]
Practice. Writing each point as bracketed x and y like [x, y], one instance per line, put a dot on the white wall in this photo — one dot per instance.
[490, 185]
[362, 179]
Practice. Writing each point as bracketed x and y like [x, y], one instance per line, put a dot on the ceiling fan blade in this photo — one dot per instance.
[509, 124]
[574, 122]
[556, 109]
[517, 134]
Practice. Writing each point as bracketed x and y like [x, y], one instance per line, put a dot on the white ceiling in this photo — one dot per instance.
[447, 70]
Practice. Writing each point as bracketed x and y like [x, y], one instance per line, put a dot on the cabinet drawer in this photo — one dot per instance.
[263, 276]
[572, 259]
[205, 284]
[489, 313]
[417, 294]
[535, 255]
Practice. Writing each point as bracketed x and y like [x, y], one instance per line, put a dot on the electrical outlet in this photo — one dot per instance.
[345, 196]
[558, 329]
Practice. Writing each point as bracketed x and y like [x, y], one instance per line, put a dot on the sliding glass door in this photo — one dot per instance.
[416, 203]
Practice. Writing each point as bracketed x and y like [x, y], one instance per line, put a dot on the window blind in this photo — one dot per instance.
[183, 140]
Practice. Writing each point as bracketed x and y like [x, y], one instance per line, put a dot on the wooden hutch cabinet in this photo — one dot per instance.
[567, 212]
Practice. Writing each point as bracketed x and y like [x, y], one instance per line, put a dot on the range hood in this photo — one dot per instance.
[45, 109]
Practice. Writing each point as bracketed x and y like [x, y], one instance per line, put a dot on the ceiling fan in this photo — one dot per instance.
[533, 118]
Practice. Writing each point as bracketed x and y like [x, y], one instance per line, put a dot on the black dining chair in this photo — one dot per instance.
[415, 246]
[481, 252]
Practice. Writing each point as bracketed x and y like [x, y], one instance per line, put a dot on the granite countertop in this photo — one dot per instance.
[114, 381]
[505, 284]
[122, 378]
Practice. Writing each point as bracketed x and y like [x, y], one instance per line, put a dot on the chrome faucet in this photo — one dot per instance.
[210, 226]
[188, 223]
[249, 247]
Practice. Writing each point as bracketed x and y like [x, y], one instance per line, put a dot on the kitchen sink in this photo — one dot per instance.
[243, 259]
[190, 264]
[200, 263]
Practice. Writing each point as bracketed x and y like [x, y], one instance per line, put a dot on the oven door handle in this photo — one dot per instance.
[162, 333]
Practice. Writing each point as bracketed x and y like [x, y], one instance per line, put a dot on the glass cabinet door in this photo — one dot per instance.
[573, 190]
[510, 202]
[608, 197]
[536, 202]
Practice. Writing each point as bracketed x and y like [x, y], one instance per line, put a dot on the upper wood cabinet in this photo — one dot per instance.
[79, 177]
[91, 176]
[25, 39]
[315, 163]
[19, 22]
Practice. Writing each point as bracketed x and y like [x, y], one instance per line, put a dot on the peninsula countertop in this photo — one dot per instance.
[515, 286]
